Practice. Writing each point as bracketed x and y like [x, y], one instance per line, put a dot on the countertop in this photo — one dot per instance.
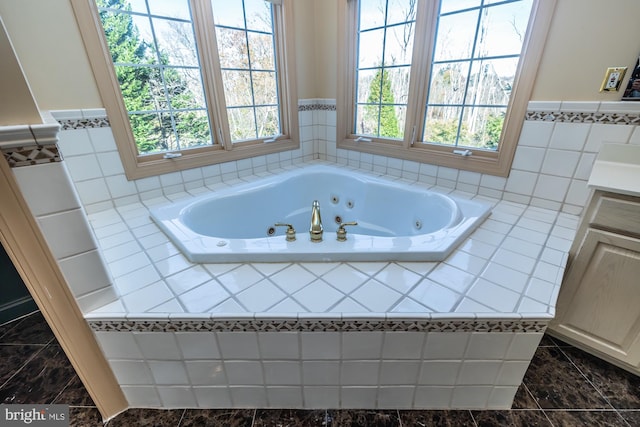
[617, 169]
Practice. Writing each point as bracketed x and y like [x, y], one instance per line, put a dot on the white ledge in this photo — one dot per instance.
[617, 169]
[30, 135]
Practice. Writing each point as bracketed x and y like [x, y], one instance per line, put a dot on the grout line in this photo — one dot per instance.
[475, 423]
[597, 389]
[586, 378]
[184, 412]
[531, 395]
[29, 359]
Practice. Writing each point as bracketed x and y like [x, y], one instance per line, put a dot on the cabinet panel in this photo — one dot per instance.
[600, 300]
[617, 214]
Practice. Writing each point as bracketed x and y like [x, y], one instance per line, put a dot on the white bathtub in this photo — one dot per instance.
[458, 334]
[396, 221]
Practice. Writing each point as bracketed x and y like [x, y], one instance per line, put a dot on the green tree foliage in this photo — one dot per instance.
[126, 46]
[445, 132]
[142, 83]
[492, 131]
[381, 101]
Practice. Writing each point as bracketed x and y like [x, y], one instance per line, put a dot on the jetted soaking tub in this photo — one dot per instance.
[395, 221]
[457, 334]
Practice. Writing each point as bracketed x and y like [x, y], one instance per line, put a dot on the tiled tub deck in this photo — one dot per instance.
[454, 334]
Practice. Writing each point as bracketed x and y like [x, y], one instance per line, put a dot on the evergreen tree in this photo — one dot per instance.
[143, 84]
[126, 46]
[381, 101]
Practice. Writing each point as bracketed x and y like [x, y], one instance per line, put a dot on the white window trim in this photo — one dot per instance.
[140, 166]
[482, 161]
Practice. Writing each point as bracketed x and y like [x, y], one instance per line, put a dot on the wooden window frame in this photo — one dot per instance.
[140, 166]
[483, 161]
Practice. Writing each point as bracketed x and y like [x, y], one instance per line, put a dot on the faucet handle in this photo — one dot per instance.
[341, 232]
[290, 233]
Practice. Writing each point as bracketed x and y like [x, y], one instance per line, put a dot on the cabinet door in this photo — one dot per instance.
[599, 303]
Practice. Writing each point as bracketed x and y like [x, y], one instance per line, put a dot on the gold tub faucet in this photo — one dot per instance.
[315, 231]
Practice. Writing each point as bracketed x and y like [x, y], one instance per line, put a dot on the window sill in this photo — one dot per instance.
[481, 161]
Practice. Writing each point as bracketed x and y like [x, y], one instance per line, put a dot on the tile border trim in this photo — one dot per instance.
[101, 122]
[93, 123]
[318, 325]
[317, 107]
[545, 116]
[582, 117]
[32, 155]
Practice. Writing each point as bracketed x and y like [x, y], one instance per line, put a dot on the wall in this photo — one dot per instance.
[13, 86]
[48, 44]
[585, 38]
[572, 68]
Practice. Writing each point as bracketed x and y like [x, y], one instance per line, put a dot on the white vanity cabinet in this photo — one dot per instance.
[598, 308]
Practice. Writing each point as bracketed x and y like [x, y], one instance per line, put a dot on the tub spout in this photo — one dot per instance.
[315, 231]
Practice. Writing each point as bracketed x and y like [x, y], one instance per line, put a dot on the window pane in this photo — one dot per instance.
[491, 81]
[261, 51]
[176, 42]
[146, 131]
[384, 62]
[242, 123]
[184, 91]
[264, 88]
[398, 47]
[372, 14]
[400, 11]
[170, 8]
[228, 13]
[399, 81]
[166, 135]
[128, 37]
[268, 121]
[168, 81]
[367, 120]
[258, 15]
[442, 125]
[365, 77]
[503, 28]
[476, 84]
[247, 60]
[448, 83]
[192, 128]
[370, 48]
[232, 47]
[455, 36]
[238, 84]
[141, 88]
[379, 114]
[483, 127]
[453, 5]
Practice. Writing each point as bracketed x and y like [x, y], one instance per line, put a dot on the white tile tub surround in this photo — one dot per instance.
[550, 169]
[509, 269]
[512, 263]
[317, 335]
[94, 164]
[53, 201]
[443, 369]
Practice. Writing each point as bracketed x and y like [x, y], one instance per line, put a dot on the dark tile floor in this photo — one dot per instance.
[563, 387]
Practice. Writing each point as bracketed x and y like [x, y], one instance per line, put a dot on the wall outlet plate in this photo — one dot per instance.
[613, 79]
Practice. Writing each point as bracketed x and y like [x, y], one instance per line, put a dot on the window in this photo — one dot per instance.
[188, 83]
[445, 82]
